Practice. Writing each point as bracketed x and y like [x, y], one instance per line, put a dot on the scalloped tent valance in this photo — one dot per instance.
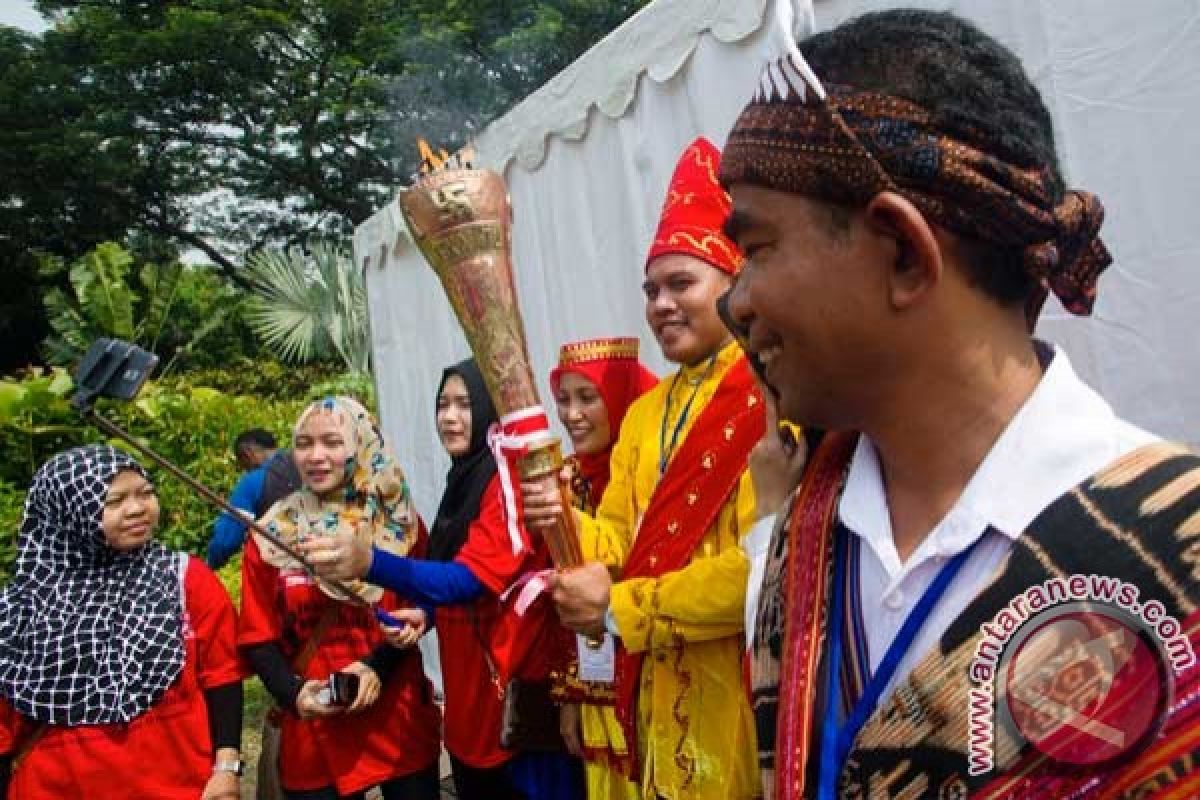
[657, 42]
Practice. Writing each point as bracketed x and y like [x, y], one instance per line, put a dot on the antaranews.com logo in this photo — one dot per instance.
[1077, 667]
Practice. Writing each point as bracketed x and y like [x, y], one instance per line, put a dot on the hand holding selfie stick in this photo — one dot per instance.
[117, 369]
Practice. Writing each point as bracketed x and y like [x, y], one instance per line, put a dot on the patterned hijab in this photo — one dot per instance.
[374, 492]
[469, 473]
[846, 145]
[88, 635]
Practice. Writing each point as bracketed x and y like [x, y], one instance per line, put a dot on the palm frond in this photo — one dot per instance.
[100, 284]
[160, 283]
[309, 306]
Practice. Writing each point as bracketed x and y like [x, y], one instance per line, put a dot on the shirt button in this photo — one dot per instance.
[894, 601]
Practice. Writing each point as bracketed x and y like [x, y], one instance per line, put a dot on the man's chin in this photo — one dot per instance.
[679, 350]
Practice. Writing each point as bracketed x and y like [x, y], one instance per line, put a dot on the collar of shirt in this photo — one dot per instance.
[693, 375]
[1063, 433]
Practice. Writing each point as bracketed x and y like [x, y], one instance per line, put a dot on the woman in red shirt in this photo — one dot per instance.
[472, 562]
[296, 633]
[119, 675]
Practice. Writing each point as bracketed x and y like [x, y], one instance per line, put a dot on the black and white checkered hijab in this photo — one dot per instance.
[88, 635]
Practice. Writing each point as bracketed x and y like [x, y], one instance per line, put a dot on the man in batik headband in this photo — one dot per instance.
[678, 502]
[899, 202]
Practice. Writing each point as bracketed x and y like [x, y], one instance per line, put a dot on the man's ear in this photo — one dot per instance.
[917, 266]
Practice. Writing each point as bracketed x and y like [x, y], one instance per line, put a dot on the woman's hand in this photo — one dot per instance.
[309, 707]
[222, 786]
[342, 557]
[541, 501]
[776, 462]
[402, 638]
[368, 686]
[569, 727]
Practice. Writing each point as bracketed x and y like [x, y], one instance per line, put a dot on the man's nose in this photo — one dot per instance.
[663, 303]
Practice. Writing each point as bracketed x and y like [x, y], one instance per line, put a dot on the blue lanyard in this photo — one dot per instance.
[836, 740]
[664, 452]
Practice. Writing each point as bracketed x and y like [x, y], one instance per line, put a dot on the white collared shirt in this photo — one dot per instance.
[1064, 433]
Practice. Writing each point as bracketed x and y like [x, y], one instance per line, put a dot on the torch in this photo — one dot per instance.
[462, 222]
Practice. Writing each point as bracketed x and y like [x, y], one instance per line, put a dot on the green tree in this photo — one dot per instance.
[227, 126]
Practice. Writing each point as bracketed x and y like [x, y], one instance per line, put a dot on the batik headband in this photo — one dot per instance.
[846, 146]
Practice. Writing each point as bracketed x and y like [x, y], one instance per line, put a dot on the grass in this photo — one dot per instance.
[256, 703]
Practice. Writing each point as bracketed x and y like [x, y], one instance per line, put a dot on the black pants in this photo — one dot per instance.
[489, 783]
[418, 786]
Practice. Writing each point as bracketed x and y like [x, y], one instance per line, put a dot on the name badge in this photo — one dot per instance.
[597, 664]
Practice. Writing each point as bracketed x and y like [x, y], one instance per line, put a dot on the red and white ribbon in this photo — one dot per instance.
[528, 587]
[510, 439]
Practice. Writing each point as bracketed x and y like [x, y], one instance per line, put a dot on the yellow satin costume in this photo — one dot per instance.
[695, 730]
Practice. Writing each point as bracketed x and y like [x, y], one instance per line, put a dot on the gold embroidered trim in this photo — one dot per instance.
[625, 347]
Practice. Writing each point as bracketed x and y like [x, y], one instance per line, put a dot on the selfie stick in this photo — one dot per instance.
[118, 369]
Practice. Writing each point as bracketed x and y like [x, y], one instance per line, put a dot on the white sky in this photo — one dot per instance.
[21, 14]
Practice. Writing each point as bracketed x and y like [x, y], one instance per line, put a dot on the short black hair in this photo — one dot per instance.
[976, 91]
[254, 437]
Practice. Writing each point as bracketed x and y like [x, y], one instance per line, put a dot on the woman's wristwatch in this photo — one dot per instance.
[234, 765]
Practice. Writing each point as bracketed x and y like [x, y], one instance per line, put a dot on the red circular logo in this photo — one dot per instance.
[1086, 686]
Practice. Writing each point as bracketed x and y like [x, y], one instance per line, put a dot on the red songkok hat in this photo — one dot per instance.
[695, 210]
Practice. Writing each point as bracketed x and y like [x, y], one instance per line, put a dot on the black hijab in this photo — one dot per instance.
[469, 473]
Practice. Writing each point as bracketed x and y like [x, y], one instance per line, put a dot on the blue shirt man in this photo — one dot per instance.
[255, 492]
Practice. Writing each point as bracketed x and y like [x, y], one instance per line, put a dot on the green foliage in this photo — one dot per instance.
[469, 61]
[190, 424]
[227, 126]
[12, 503]
[168, 309]
[310, 306]
[262, 377]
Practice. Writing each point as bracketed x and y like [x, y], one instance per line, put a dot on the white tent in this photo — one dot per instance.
[588, 156]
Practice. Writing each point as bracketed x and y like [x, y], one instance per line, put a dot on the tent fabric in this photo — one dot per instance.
[588, 157]
[584, 212]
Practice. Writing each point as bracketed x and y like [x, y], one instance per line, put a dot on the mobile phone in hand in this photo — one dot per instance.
[343, 688]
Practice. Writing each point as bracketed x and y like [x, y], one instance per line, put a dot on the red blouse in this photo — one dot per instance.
[396, 736]
[163, 754]
[473, 703]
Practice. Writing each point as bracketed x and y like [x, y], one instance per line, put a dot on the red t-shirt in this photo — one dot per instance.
[163, 754]
[396, 736]
[473, 704]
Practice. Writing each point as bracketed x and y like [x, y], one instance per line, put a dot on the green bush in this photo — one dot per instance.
[190, 424]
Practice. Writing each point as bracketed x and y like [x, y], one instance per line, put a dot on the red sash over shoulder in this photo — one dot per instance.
[810, 546]
[686, 502]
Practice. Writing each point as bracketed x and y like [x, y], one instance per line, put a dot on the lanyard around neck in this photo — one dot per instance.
[837, 739]
[665, 451]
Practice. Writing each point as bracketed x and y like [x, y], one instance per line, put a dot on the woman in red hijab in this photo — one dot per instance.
[595, 383]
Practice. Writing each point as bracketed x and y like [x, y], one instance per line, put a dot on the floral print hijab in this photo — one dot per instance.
[373, 500]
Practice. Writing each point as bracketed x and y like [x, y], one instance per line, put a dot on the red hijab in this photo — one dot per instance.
[612, 366]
